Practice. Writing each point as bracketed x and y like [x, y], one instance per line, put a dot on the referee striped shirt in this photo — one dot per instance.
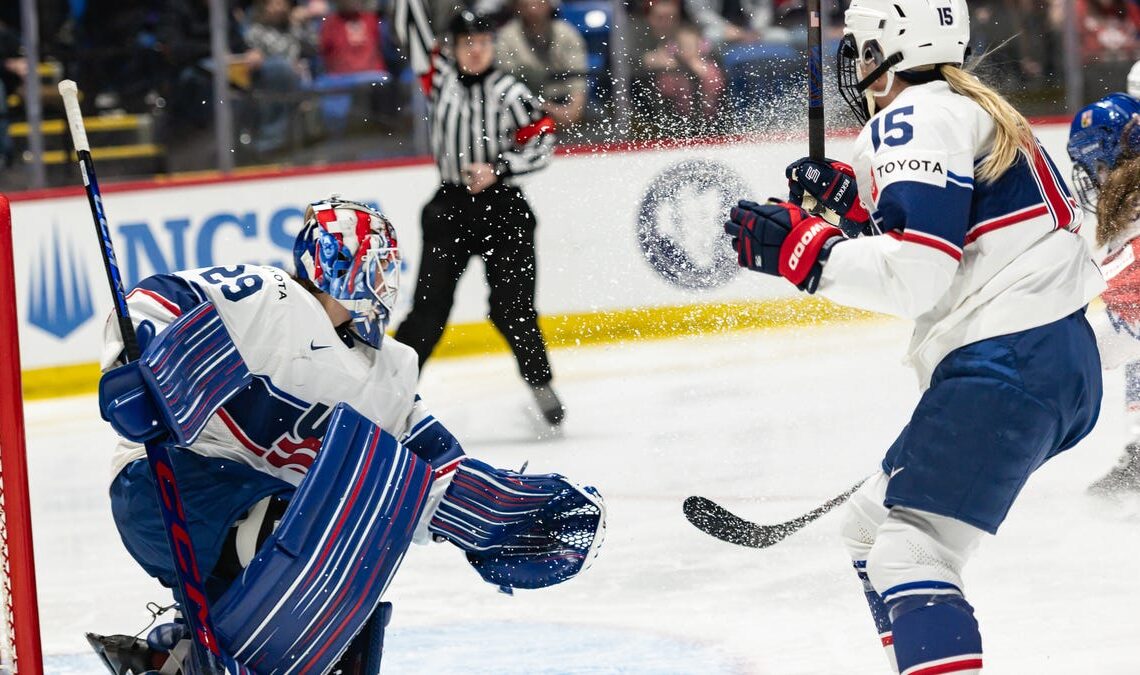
[490, 118]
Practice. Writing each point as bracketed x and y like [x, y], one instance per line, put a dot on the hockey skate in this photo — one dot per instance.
[1124, 477]
[164, 651]
[549, 404]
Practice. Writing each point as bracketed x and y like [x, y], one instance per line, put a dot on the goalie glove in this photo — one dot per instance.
[521, 531]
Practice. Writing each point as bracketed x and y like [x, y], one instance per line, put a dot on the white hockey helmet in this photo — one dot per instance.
[896, 36]
[1134, 80]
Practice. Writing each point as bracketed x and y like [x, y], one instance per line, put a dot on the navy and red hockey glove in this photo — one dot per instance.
[781, 239]
[832, 185]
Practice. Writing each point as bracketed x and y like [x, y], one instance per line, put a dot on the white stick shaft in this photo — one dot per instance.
[70, 93]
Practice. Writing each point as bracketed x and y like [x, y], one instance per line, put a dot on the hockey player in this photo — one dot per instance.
[979, 248]
[278, 464]
[1097, 140]
[1103, 139]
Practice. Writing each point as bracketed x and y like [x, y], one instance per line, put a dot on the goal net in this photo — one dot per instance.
[19, 623]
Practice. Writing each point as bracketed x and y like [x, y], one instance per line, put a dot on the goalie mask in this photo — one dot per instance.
[349, 250]
[885, 37]
[1097, 142]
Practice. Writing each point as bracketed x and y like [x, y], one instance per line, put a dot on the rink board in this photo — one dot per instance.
[624, 232]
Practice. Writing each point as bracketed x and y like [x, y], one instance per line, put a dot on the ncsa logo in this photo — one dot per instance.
[680, 225]
[59, 296]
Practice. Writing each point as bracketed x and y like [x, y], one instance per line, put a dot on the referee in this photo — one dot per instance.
[486, 130]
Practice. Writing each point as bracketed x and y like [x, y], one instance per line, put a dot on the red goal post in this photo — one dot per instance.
[20, 650]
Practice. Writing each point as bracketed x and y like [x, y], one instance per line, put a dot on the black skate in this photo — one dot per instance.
[549, 404]
[126, 654]
[164, 651]
[1124, 477]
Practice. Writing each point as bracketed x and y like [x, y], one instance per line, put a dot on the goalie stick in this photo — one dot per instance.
[190, 579]
[717, 521]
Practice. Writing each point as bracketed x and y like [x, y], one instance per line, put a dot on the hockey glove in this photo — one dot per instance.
[782, 239]
[521, 531]
[832, 185]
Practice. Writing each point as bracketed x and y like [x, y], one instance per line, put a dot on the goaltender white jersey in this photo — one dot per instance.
[301, 367]
[965, 259]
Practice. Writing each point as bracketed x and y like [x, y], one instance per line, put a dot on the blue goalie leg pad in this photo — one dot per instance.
[936, 634]
[315, 582]
[363, 656]
[186, 373]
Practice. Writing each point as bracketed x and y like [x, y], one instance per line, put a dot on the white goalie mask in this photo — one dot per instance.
[885, 37]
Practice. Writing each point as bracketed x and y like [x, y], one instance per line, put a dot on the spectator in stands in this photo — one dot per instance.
[351, 50]
[13, 70]
[680, 63]
[281, 34]
[1110, 29]
[183, 34]
[350, 40]
[549, 56]
[118, 66]
[731, 21]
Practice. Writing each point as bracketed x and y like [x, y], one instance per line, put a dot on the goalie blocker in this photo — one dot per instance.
[318, 574]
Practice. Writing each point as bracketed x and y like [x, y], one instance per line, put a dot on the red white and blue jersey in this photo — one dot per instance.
[965, 259]
[1117, 324]
[301, 370]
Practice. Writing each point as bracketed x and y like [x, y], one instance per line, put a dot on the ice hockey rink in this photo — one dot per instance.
[770, 423]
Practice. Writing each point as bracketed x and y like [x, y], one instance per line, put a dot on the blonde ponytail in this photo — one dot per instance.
[1011, 130]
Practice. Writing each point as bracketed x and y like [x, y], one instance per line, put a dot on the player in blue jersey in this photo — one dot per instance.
[978, 246]
[1103, 142]
[309, 463]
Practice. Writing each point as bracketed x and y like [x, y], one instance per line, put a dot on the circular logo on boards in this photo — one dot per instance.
[680, 225]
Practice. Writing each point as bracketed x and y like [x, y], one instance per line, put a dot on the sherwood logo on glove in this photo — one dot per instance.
[802, 244]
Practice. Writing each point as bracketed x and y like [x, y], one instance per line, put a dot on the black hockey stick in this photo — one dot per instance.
[717, 521]
[815, 82]
[190, 579]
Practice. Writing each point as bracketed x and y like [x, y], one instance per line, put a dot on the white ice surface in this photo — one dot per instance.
[769, 423]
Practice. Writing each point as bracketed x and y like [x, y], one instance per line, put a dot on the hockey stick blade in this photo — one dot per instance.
[717, 521]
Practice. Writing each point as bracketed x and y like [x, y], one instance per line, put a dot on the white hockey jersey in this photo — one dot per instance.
[966, 260]
[301, 368]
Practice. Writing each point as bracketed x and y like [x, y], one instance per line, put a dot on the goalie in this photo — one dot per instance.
[313, 464]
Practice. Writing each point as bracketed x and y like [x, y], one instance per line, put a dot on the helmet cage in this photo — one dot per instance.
[1087, 187]
[851, 87]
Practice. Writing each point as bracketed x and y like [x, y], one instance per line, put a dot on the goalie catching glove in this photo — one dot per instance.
[521, 531]
[781, 239]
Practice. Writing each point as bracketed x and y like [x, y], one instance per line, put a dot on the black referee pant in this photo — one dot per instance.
[498, 226]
